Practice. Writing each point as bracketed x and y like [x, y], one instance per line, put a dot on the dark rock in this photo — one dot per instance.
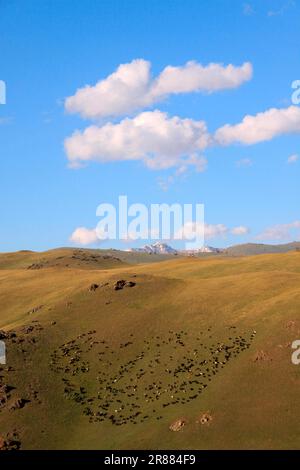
[36, 265]
[122, 283]
[130, 284]
[18, 404]
[93, 287]
[10, 442]
[3, 335]
[28, 329]
[119, 284]
[7, 334]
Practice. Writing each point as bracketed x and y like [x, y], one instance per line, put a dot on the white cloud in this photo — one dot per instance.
[241, 230]
[131, 86]
[279, 232]
[261, 127]
[293, 159]
[84, 236]
[159, 141]
[285, 6]
[165, 182]
[213, 231]
[210, 230]
[196, 77]
[192, 229]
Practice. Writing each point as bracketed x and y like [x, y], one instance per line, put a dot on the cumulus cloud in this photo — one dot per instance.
[190, 229]
[196, 77]
[158, 140]
[163, 142]
[293, 159]
[279, 232]
[261, 127]
[131, 86]
[84, 236]
[240, 230]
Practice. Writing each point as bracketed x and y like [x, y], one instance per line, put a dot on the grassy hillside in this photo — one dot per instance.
[75, 258]
[202, 343]
[247, 249]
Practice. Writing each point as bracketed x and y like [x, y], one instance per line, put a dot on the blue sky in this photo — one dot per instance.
[50, 49]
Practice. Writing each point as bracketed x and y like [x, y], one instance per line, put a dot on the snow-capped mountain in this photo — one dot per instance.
[206, 249]
[157, 248]
[160, 248]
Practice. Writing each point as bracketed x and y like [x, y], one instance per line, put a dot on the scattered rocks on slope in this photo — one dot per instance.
[37, 265]
[35, 309]
[178, 425]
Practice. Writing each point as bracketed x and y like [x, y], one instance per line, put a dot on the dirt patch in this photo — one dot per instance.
[205, 418]
[261, 356]
[290, 325]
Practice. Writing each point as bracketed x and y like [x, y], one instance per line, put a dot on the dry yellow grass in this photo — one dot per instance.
[252, 400]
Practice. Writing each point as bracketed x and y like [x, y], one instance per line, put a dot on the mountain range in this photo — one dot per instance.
[246, 249]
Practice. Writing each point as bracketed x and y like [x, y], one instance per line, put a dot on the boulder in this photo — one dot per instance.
[18, 404]
[121, 283]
